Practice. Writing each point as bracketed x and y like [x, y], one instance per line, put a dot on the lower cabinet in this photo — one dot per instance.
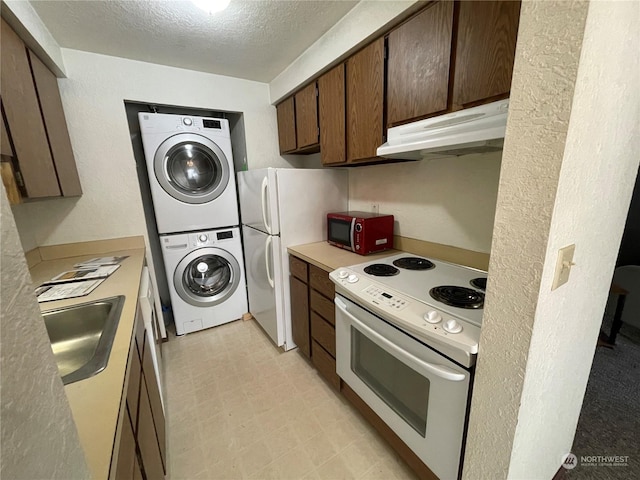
[142, 449]
[313, 317]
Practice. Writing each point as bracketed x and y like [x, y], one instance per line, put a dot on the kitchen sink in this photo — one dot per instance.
[82, 335]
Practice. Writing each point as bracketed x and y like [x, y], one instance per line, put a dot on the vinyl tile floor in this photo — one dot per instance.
[239, 408]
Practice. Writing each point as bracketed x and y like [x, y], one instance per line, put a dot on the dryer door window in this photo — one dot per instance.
[207, 276]
[191, 168]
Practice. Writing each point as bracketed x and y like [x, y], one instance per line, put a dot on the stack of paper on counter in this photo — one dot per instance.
[101, 261]
[84, 273]
[60, 291]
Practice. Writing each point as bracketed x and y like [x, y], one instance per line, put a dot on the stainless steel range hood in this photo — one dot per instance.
[473, 130]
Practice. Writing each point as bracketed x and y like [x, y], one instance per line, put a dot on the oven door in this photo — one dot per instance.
[418, 393]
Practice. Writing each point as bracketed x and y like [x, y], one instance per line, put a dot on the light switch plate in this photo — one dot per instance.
[563, 266]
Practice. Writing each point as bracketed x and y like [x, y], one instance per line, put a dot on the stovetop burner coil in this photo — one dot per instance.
[414, 263]
[381, 270]
[455, 296]
[480, 283]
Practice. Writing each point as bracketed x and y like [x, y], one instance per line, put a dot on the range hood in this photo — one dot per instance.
[473, 130]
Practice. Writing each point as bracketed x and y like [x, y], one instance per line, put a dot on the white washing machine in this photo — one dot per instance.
[205, 271]
[190, 166]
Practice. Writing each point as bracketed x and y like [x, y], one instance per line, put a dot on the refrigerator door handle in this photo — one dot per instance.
[264, 201]
[268, 247]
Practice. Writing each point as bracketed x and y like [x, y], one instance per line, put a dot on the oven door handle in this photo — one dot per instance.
[439, 370]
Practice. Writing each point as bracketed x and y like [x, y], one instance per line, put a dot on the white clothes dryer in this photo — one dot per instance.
[191, 175]
[205, 271]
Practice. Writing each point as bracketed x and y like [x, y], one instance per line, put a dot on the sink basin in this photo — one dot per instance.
[82, 335]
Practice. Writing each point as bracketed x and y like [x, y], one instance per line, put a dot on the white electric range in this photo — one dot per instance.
[407, 332]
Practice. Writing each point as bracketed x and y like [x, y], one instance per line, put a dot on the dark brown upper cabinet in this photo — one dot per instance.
[56, 126]
[287, 125]
[42, 162]
[331, 105]
[306, 103]
[298, 122]
[24, 119]
[485, 51]
[365, 102]
[418, 64]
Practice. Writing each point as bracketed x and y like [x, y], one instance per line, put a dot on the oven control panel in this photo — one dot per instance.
[379, 296]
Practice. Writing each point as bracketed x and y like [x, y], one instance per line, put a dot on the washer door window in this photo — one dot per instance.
[191, 168]
[206, 277]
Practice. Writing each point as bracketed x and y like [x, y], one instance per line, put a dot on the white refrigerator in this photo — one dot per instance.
[283, 207]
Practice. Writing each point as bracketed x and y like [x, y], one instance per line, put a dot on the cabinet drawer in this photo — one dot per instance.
[325, 364]
[319, 280]
[300, 315]
[324, 333]
[298, 268]
[133, 389]
[323, 306]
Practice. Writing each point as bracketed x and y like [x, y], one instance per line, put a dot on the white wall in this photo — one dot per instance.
[39, 437]
[93, 99]
[450, 201]
[363, 22]
[594, 190]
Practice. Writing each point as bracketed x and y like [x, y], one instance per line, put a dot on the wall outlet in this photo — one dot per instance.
[563, 266]
[375, 208]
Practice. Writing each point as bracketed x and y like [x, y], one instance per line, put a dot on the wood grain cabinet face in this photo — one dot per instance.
[418, 64]
[126, 452]
[300, 315]
[43, 160]
[365, 102]
[143, 429]
[306, 103]
[56, 126]
[24, 119]
[485, 51]
[286, 125]
[332, 116]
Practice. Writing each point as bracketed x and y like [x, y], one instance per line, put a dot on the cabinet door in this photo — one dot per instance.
[126, 451]
[22, 111]
[147, 440]
[365, 97]
[485, 51]
[306, 103]
[300, 315]
[5, 144]
[332, 115]
[133, 388]
[148, 373]
[418, 64]
[56, 127]
[286, 125]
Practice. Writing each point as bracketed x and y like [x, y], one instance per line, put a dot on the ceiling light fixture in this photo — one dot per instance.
[211, 6]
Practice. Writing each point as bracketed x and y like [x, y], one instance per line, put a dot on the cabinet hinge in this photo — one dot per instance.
[317, 93]
[19, 179]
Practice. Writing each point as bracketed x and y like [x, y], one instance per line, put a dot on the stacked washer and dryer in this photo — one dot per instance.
[192, 181]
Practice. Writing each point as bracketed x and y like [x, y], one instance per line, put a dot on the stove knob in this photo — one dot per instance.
[343, 274]
[452, 326]
[432, 316]
[203, 238]
[352, 278]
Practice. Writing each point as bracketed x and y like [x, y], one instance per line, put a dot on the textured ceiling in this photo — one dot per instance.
[255, 40]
